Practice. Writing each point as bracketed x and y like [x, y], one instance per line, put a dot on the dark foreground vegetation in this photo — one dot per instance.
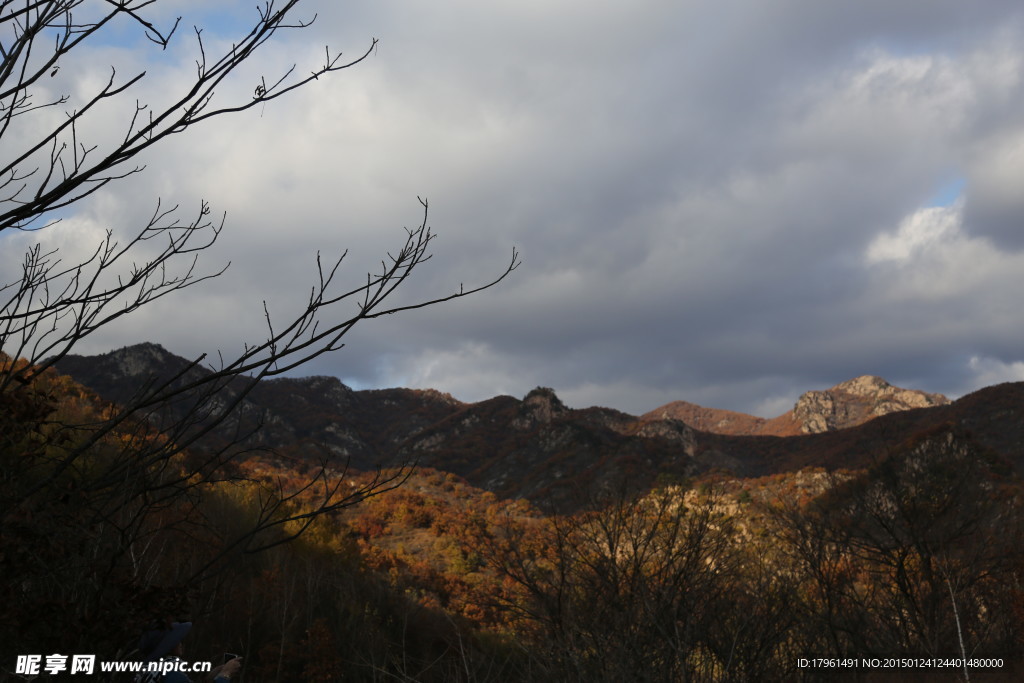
[718, 579]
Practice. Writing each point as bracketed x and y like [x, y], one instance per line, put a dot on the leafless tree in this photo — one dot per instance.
[124, 471]
[890, 557]
[627, 591]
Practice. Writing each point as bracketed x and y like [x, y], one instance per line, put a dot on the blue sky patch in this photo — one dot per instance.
[948, 193]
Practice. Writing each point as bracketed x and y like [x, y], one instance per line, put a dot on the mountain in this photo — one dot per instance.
[845, 405]
[308, 418]
[537, 448]
[718, 421]
[534, 448]
[855, 402]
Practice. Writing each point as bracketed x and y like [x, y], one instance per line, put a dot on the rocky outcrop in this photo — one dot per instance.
[856, 401]
[672, 431]
[540, 406]
[121, 374]
[139, 360]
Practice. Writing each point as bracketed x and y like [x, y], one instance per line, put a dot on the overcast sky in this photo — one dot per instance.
[726, 202]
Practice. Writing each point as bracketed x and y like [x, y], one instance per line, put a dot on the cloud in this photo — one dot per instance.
[988, 371]
[728, 203]
[996, 205]
[918, 232]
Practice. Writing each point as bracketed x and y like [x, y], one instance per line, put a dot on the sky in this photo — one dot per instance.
[728, 202]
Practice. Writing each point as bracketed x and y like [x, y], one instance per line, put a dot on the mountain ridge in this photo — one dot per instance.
[538, 448]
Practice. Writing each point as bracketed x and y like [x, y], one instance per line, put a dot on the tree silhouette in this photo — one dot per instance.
[111, 483]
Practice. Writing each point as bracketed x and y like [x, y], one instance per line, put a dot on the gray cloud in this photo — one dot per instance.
[719, 202]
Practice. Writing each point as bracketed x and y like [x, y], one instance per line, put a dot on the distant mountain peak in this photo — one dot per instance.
[864, 385]
[541, 405]
[317, 382]
[442, 396]
[714, 420]
[544, 398]
[139, 359]
[141, 347]
[856, 401]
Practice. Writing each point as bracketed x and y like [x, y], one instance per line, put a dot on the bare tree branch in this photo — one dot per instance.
[138, 471]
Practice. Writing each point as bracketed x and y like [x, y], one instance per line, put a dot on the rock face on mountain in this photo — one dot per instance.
[118, 375]
[539, 406]
[856, 401]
